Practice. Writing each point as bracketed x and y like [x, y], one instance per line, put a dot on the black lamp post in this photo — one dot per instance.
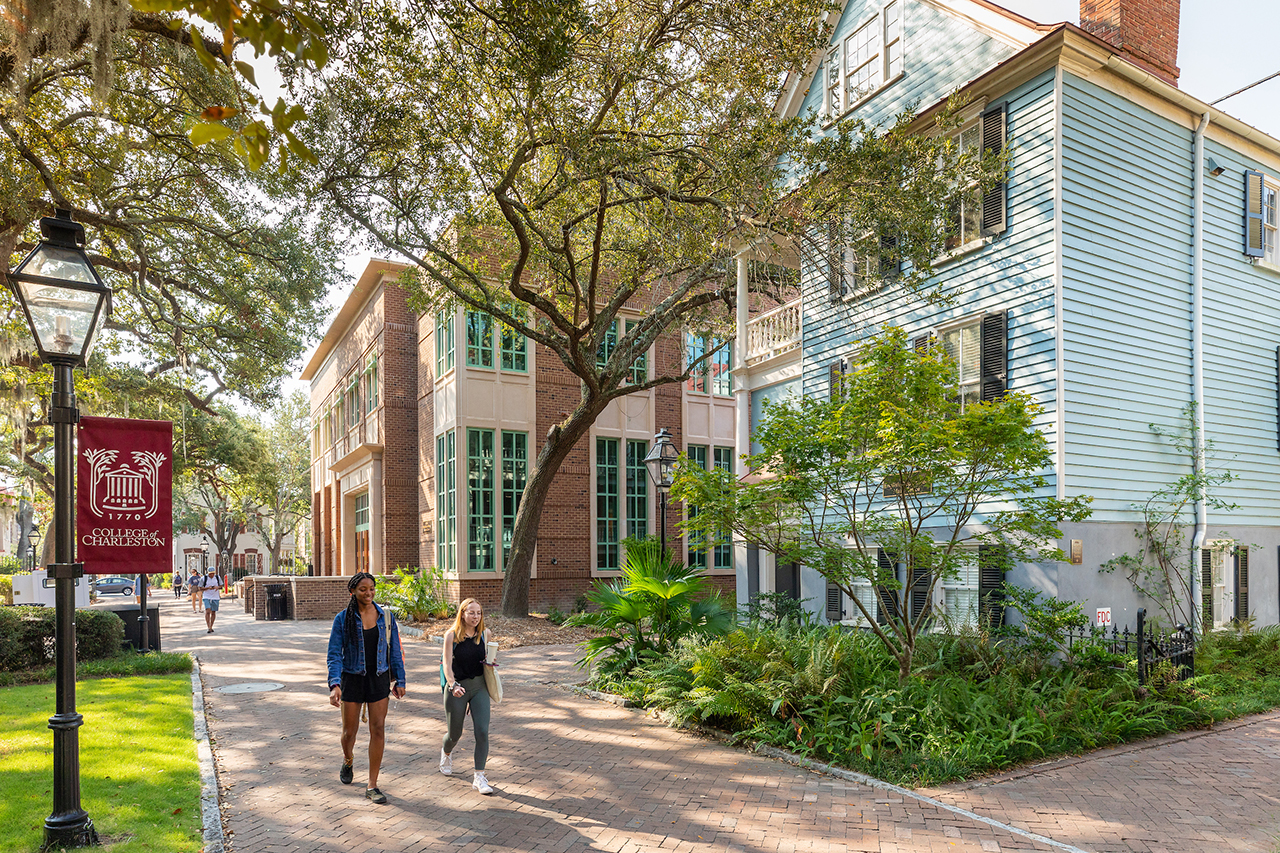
[661, 463]
[65, 304]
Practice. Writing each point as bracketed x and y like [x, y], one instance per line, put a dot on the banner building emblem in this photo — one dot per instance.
[124, 518]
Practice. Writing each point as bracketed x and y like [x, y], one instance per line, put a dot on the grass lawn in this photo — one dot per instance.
[139, 779]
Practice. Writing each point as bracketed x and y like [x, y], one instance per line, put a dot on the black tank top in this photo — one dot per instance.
[468, 659]
[371, 651]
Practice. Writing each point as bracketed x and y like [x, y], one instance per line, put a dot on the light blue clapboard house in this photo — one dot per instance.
[1128, 268]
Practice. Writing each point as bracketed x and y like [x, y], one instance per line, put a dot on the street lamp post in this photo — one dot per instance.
[661, 463]
[65, 303]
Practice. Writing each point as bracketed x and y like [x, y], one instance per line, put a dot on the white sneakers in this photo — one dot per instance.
[480, 783]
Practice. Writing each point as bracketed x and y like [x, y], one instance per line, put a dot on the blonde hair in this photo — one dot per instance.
[460, 628]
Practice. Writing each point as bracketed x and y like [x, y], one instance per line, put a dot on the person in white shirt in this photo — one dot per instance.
[211, 594]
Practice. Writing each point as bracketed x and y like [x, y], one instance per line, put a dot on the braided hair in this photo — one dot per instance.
[353, 609]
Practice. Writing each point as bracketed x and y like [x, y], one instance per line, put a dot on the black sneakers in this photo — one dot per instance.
[346, 774]
[376, 796]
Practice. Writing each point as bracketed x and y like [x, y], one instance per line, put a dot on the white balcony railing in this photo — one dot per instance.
[774, 332]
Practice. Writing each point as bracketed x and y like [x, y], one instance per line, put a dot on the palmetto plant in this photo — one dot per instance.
[657, 602]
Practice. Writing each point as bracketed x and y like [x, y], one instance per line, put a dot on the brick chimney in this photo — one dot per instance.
[1144, 31]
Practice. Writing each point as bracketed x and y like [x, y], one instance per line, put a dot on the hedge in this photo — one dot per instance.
[27, 635]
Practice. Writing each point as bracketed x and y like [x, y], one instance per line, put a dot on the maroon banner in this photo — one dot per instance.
[124, 496]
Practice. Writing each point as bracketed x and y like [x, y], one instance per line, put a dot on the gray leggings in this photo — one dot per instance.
[455, 711]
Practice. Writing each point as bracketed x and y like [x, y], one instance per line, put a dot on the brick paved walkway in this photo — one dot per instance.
[571, 771]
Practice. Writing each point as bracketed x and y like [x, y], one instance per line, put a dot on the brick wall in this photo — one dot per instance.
[408, 402]
[317, 598]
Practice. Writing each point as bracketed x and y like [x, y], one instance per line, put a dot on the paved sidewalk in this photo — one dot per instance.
[571, 771]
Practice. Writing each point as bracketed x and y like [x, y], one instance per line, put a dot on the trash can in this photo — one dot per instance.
[133, 628]
[277, 602]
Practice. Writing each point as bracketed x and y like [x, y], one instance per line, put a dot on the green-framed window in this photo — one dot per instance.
[608, 535]
[362, 512]
[639, 367]
[715, 375]
[479, 339]
[515, 471]
[353, 403]
[446, 503]
[480, 501]
[513, 347]
[722, 551]
[637, 490]
[608, 344]
[697, 542]
[444, 342]
[371, 384]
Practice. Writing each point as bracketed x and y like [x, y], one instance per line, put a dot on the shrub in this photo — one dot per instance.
[10, 565]
[415, 592]
[99, 634]
[27, 636]
[554, 616]
[658, 602]
[775, 608]
[6, 589]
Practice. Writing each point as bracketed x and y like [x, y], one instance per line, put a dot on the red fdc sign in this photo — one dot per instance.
[124, 496]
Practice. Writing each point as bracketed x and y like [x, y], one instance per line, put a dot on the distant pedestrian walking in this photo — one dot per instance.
[365, 659]
[210, 595]
[177, 583]
[463, 662]
[195, 585]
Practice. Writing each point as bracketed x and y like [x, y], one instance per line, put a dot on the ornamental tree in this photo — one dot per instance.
[892, 464]
[551, 164]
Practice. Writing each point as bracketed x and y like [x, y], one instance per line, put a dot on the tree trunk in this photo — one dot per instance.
[524, 538]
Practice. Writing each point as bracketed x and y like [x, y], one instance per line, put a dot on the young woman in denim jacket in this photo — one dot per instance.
[362, 667]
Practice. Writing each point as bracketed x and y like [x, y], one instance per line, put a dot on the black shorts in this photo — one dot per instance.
[364, 689]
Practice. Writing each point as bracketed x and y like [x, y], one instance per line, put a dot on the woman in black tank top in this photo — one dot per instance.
[462, 682]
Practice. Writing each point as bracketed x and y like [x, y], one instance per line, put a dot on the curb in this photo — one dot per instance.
[791, 758]
[210, 809]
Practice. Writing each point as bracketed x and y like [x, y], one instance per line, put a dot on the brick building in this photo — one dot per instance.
[422, 431]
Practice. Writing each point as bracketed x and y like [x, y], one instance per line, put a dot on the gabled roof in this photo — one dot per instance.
[996, 21]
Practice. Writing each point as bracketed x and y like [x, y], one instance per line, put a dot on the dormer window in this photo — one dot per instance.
[863, 63]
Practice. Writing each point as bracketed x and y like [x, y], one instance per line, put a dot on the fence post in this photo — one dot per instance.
[1142, 646]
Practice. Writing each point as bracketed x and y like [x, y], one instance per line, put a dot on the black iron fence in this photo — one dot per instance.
[1144, 646]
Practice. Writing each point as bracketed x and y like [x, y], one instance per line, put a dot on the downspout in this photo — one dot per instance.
[1197, 360]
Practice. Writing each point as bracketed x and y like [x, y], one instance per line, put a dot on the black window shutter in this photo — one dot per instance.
[886, 596]
[995, 201]
[921, 580]
[835, 604]
[835, 263]
[921, 344]
[1242, 583]
[991, 567]
[1253, 231]
[994, 357]
[1206, 589]
[890, 262]
[835, 376]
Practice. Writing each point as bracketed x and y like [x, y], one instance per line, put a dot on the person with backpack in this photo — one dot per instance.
[210, 596]
[366, 667]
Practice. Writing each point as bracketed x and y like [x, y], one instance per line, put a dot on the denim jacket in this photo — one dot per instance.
[345, 656]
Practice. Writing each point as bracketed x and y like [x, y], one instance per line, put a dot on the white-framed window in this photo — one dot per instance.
[966, 212]
[963, 345]
[864, 61]
[1271, 245]
[960, 594]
